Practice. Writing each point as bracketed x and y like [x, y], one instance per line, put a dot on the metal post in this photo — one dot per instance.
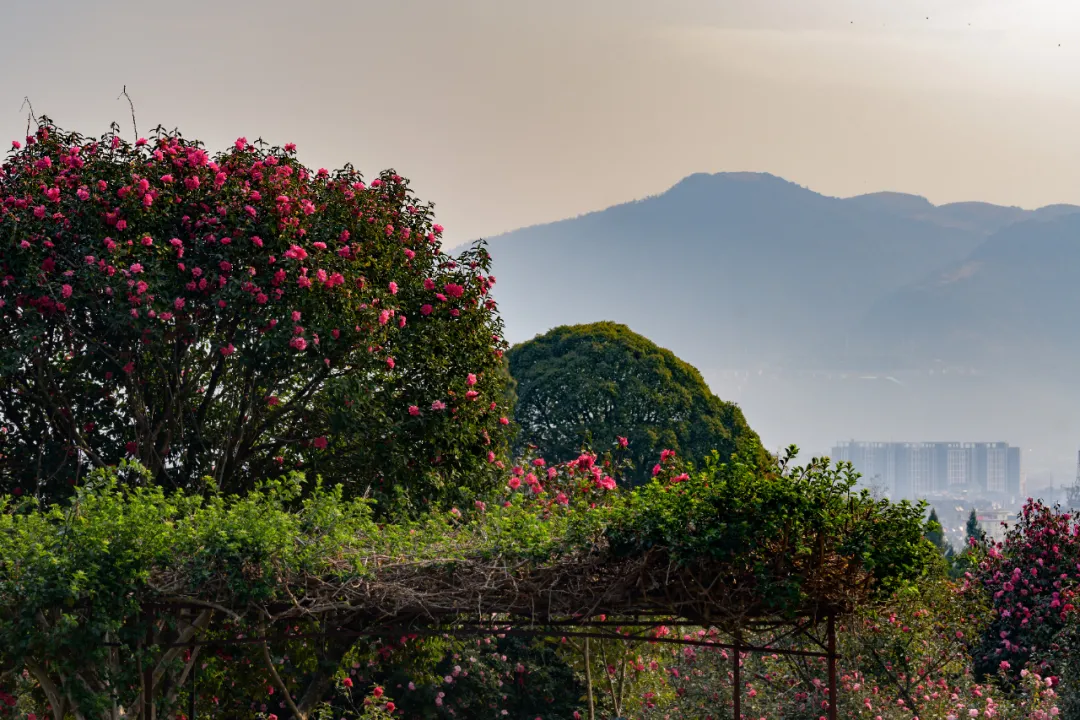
[191, 695]
[736, 687]
[148, 672]
[832, 666]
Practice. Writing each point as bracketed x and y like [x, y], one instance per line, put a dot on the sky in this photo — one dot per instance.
[508, 113]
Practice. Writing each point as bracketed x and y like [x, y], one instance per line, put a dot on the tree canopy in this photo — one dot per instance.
[233, 317]
[584, 383]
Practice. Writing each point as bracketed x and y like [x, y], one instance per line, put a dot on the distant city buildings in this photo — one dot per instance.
[914, 470]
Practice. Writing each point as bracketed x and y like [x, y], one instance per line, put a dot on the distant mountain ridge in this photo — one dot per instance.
[745, 270]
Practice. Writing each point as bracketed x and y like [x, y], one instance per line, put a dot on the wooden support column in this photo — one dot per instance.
[736, 685]
[832, 666]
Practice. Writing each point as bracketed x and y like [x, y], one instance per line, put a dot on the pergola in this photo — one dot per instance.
[583, 595]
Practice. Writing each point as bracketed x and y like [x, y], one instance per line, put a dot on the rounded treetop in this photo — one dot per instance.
[580, 384]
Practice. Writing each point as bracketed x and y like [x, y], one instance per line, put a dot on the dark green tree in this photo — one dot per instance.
[934, 532]
[584, 384]
[973, 531]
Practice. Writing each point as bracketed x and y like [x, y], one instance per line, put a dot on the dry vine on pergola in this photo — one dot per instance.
[563, 597]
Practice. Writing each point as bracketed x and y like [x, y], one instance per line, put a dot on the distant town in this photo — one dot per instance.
[954, 478]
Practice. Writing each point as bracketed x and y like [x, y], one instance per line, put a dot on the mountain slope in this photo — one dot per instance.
[735, 269]
[1013, 303]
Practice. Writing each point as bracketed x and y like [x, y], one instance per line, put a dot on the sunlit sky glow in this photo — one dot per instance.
[511, 112]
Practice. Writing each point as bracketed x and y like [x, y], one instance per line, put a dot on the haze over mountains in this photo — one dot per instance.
[798, 305]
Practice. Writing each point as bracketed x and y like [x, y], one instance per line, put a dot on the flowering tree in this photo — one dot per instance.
[1032, 578]
[232, 317]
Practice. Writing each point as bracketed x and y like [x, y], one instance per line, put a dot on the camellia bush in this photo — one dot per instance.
[233, 317]
[1032, 578]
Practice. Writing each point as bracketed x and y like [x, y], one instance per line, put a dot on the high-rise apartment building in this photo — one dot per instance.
[918, 469]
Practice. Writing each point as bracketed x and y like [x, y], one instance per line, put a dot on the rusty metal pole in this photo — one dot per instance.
[736, 685]
[832, 666]
[148, 672]
[191, 695]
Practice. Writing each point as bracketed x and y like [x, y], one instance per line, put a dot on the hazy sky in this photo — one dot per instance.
[512, 112]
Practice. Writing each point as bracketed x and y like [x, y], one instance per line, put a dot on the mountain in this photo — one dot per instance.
[741, 270]
[1012, 305]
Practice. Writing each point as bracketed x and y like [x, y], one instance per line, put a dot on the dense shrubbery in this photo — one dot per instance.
[74, 576]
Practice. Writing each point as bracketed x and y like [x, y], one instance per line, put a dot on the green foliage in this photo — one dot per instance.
[777, 526]
[972, 531]
[74, 576]
[585, 384]
[934, 532]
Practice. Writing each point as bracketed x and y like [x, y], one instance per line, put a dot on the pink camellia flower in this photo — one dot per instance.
[471, 395]
[179, 303]
[623, 442]
[228, 350]
[15, 144]
[608, 483]
[514, 483]
[393, 287]
[471, 379]
[425, 310]
[135, 268]
[429, 284]
[562, 499]
[298, 342]
[65, 291]
[390, 363]
[656, 469]
[438, 405]
[504, 421]
[320, 442]
[384, 317]
[82, 193]
[290, 147]
[414, 410]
